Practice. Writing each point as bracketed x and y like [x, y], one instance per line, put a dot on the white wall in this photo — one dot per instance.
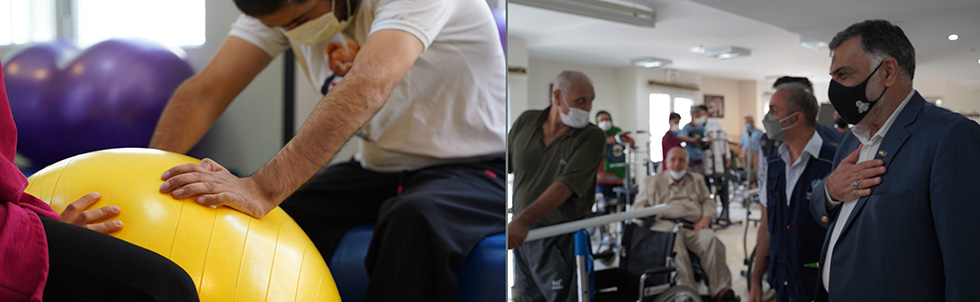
[517, 57]
[956, 97]
[604, 81]
[641, 98]
[625, 91]
[249, 132]
[631, 97]
[961, 99]
[730, 89]
[751, 101]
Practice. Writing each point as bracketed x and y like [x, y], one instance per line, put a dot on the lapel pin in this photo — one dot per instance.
[882, 153]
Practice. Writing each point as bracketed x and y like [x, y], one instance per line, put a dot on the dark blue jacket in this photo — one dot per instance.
[829, 135]
[795, 233]
[915, 237]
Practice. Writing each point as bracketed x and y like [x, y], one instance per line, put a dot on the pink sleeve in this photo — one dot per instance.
[23, 253]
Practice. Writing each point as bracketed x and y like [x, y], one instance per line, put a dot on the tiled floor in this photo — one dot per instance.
[734, 246]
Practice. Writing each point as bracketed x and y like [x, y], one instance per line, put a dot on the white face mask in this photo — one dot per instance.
[677, 175]
[575, 118]
[321, 29]
[701, 120]
[675, 128]
[605, 125]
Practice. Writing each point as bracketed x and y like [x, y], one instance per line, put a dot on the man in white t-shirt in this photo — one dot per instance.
[426, 94]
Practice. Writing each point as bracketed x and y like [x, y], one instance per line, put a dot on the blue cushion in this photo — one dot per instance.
[481, 276]
[347, 263]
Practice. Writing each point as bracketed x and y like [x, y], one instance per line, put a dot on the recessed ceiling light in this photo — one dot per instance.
[727, 52]
[953, 37]
[698, 49]
[813, 44]
[650, 62]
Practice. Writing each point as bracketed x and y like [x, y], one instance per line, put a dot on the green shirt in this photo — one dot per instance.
[573, 159]
[615, 159]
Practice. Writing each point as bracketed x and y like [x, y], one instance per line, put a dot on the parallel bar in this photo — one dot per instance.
[572, 226]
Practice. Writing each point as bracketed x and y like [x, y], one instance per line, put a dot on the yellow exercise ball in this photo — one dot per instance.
[230, 256]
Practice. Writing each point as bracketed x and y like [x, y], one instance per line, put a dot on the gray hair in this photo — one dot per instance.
[750, 118]
[800, 99]
[698, 109]
[677, 149]
[881, 39]
[783, 80]
[566, 78]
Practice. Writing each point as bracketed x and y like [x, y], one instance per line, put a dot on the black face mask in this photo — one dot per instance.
[852, 102]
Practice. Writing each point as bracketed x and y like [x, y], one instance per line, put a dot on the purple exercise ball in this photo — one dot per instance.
[500, 17]
[109, 96]
[27, 73]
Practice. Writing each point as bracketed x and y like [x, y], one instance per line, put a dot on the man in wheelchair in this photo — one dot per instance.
[687, 195]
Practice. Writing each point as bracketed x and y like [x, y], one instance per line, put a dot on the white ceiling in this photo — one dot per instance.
[772, 29]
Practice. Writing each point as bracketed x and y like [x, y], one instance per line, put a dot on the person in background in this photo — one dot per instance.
[425, 97]
[828, 134]
[554, 155]
[613, 168]
[693, 136]
[789, 254]
[751, 143]
[769, 146]
[670, 140]
[689, 202]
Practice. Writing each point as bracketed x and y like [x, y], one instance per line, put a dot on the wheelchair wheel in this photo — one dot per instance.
[678, 293]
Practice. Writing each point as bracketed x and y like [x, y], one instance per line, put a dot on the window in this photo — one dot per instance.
[172, 23]
[26, 21]
[661, 105]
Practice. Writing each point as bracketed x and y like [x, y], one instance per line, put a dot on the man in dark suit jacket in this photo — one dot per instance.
[902, 198]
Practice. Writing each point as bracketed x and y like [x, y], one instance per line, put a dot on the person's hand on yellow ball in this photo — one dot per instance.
[76, 213]
[210, 184]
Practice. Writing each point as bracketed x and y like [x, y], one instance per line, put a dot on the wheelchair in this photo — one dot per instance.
[645, 270]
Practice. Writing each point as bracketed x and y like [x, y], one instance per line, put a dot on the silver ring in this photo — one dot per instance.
[854, 184]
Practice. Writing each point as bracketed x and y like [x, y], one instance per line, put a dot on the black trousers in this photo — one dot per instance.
[427, 220]
[546, 270]
[720, 182]
[91, 266]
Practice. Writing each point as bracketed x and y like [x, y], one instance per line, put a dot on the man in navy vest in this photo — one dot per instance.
[790, 235]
